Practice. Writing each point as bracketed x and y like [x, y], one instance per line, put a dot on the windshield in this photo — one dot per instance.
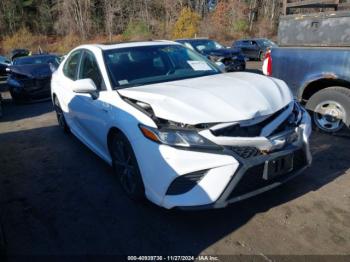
[269, 43]
[143, 65]
[4, 60]
[207, 45]
[36, 60]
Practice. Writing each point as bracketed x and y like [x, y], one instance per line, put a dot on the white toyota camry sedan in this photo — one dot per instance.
[177, 130]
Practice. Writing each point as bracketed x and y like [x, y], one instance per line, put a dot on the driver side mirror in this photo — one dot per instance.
[85, 86]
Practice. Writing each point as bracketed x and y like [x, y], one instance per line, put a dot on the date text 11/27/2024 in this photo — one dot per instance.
[173, 258]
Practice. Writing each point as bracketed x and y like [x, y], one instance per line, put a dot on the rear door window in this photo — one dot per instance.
[70, 68]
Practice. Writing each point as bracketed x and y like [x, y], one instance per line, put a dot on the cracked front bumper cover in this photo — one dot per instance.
[248, 180]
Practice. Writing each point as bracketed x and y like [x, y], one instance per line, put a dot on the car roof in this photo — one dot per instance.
[36, 55]
[251, 39]
[128, 44]
[193, 39]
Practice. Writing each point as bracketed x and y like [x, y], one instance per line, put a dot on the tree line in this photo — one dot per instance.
[139, 19]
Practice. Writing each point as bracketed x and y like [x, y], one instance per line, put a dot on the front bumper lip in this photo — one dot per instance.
[29, 89]
[235, 65]
[224, 200]
[218, 204]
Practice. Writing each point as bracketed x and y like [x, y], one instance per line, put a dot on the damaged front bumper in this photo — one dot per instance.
[249, 181]
[234, 65]
[29, 89]
[202, 179]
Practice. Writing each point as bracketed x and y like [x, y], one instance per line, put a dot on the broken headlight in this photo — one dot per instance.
[215, 58]
[177, 137]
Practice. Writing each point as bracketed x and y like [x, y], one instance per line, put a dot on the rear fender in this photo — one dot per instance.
[324, 76]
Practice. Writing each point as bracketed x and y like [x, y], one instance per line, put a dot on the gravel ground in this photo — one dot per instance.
[58, 198]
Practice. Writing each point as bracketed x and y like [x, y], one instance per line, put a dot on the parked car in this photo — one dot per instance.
[175, 128]
[255, 48]
[4, 63]
[17, 53]
[232, 58]
[317, 69]
[29, 77]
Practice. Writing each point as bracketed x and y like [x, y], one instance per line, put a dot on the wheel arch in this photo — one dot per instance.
[112, 132]
[115, 131]
[316, 85]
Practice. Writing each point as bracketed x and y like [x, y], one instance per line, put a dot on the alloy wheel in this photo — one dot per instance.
[124, 166]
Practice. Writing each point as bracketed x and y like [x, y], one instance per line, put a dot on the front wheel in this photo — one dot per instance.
[330, 109]
[15, 98]
[126, 167]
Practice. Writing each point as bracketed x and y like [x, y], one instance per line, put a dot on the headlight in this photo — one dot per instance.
[177, 137]
[215, 58]
[14, 83]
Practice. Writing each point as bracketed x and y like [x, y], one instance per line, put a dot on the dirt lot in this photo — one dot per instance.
[57, 197]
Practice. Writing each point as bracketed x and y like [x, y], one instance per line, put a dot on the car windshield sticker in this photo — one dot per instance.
[199, 66]
[123, 82]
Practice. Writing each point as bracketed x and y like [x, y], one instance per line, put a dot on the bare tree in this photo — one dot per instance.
[111, 9]
[73, 16]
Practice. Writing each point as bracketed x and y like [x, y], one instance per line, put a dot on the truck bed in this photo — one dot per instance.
[298, 66]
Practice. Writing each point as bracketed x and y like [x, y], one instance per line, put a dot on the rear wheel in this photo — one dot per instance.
[126, 167]
[330, 109]
[60, 116]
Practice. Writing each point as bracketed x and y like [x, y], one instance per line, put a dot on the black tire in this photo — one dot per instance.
[60, 116]
[15, 98]
[125, 166]
[330, 109]
[3, 244]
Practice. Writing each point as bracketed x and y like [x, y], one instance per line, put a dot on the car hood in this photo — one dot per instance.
[223, 52]
[214, 99]
[32, 71]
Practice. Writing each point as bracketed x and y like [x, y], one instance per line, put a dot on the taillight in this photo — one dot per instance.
[267, 66]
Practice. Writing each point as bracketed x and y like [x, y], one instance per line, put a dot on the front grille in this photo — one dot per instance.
[185, 183]
[246, 152]
[227, 62]
[253, 178]
[43, 83]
